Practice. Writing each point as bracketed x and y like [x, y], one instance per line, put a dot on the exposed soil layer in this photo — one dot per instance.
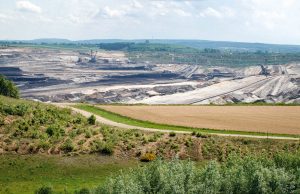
[59, 75]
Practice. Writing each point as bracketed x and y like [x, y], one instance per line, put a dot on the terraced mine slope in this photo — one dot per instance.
[74, 74]
[266, 119]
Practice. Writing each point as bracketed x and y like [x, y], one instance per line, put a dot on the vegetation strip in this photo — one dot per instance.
[147, 124]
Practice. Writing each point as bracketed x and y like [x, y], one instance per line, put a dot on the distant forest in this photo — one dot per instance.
[171, 53]
[196, 52]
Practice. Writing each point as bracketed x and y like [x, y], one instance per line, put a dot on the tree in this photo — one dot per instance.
[92, 120]
[8, 88]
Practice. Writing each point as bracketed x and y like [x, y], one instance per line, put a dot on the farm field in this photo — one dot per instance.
[260, 119]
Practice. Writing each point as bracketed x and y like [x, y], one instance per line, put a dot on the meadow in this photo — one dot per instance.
[26, 173]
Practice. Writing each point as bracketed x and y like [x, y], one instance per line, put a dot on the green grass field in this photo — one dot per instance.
[25, 173]
[147, 124]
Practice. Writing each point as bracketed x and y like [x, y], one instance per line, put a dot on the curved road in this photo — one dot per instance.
[125, 126]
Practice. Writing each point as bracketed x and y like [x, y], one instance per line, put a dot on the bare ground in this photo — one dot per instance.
[267, 119]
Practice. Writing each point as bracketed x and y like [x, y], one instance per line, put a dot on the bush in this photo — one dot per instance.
[92, 120]
[148, 157]
[237, 175]
[107, 149]
[172, 134]
[8, 88]
[44, 190]
[2, 121]
[50, 131]
[201, 135]
[55, 130]
[88, 134]
[21, 109]
[43, 144]
[175, 146]
[103, 147]
[68, 146]
[83, 191]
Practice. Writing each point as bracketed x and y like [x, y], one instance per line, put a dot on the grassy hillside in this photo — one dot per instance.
[28, 127]
[41, 144]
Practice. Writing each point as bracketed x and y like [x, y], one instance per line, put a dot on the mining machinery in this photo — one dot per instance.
[93, 57]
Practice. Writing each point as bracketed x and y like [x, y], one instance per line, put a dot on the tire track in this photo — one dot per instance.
[240, 88]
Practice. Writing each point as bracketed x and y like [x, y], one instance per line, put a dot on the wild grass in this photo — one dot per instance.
[26, 173]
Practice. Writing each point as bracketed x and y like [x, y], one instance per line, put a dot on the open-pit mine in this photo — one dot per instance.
[70, 75]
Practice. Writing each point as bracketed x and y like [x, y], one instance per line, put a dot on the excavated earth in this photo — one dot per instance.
[70, 75]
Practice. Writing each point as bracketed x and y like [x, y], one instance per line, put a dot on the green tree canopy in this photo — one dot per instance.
[8, 88]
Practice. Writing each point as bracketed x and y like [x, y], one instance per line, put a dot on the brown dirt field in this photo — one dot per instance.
[268, 119]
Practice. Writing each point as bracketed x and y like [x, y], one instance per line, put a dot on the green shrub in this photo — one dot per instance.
[95, 132]
[103, 147]
[83, 191]
[8, 88]
[2, 121]
[153, 138]
[107, 149]
[55, 130]
[201, 135]
[88, 134]
[43, 144]
[174, 146]
[92, 120]
[68, 146]
[172, 134]
[50, 131]
[6, 109]
[44, 190]
[21, 109]
[81, 142]
[23, 125]
[188, 142]
[247, 175]
[78, 120]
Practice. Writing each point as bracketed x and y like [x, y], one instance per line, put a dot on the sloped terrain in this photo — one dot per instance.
[64, 75]
[28, 127]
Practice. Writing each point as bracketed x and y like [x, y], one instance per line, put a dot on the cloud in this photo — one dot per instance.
[136, 4]
[223, 12]
[269, 14]
[109, 12]
[182, 13]
[28, 7]
[211, 12]
[205, 19]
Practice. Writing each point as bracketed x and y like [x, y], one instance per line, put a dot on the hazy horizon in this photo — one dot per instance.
[144, 39]
[253, 21]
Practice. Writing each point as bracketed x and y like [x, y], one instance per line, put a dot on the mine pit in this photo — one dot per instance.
[110, 77]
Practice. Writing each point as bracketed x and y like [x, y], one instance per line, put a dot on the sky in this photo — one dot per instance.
[267, 21]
